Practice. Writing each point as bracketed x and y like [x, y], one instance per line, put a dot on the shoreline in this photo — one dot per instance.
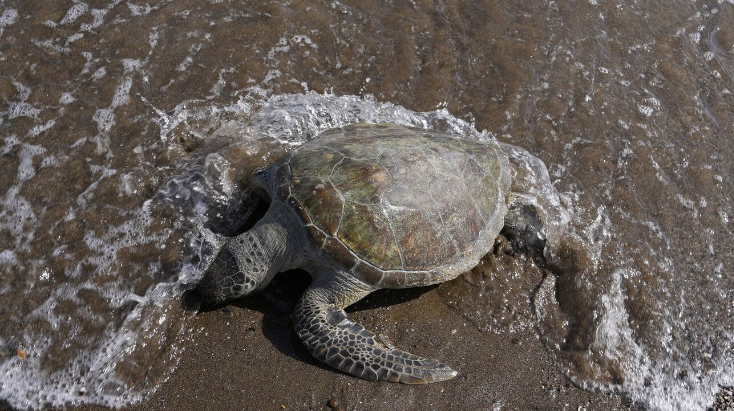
[246, 356]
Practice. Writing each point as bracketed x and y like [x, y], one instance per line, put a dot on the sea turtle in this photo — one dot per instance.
[362, 208]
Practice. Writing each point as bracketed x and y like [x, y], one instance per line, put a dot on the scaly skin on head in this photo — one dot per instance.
[250, 260]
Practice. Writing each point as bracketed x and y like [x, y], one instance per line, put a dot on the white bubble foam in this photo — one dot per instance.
[74, 37]
[21, 109]
[130, 65]
[74, 13]
[36, 130]
[644, 110]
[66, 98]
[153, 39]
[8, 258]
[139, 10]
[101, 72]
[9, 16]
[105, 117]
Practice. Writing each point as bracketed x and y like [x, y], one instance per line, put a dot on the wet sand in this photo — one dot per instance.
[246, 356]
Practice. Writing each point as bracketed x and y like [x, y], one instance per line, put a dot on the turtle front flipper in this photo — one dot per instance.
[331, 337]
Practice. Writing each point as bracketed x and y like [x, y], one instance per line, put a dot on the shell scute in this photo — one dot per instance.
[318, 164]
[362, 181]
[316, 234]
[415, 243]
[418, 278]
[369, 273]
[320, 201]
[394, 279]
[338, 251]
[367, 232]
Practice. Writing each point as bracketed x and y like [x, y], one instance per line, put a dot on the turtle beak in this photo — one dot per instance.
[224, 281]
[210, 288]
[210, 292]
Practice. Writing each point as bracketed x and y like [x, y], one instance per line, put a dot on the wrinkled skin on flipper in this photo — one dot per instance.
[330, 336]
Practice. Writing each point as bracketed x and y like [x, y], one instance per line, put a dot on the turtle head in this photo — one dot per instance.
[248, 261]
[225, 280]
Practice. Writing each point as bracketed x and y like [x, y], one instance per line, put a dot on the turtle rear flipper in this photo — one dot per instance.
[524, 229]
[331, 337]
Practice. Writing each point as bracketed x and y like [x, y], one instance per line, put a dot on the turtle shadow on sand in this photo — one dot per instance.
[277, 300]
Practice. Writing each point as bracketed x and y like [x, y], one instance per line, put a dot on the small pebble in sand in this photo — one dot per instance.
[331, 403]
[21, 354]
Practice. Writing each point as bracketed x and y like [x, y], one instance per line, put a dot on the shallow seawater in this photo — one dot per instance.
[128, 130]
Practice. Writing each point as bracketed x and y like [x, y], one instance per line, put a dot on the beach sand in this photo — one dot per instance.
[246, 356]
